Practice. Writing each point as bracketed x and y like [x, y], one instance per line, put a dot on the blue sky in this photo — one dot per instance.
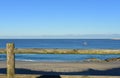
[59, 17]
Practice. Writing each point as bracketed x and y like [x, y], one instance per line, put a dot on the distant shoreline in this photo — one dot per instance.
[116, 39]
[62, 51]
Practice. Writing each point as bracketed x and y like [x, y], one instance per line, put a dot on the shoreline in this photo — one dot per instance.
[62, 51]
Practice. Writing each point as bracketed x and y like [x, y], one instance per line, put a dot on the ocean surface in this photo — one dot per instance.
[58, 57]
[63, 43]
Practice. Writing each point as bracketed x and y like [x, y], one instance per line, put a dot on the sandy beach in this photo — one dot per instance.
[65, 68]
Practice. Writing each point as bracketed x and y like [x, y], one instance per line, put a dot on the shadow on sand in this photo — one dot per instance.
[109, 72]
[49, 76]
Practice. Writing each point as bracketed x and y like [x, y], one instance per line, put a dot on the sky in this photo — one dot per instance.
[59, 17]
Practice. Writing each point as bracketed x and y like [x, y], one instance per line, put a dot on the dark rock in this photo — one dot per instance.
[93, 60]
[112, 59]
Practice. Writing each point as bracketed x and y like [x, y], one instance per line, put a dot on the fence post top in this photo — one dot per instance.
[10, 44]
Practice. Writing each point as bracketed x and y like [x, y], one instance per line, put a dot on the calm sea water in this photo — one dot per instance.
[57, 57]
[63, 43]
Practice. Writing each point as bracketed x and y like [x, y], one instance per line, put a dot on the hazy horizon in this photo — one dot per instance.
[85, 36]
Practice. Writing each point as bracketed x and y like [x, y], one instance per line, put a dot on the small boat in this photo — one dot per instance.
[85, 43]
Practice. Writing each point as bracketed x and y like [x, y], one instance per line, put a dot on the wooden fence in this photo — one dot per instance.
[11, 65]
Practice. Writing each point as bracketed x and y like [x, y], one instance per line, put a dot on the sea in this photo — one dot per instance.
[62, 44]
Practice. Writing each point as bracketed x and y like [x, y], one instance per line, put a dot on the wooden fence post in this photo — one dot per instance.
[10, 60]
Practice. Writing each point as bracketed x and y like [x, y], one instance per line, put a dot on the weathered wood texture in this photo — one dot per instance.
[10, 60]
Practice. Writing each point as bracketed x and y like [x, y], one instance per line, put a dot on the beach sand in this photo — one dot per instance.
[65, 68]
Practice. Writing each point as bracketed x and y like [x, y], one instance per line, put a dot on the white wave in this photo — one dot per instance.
[25, 60]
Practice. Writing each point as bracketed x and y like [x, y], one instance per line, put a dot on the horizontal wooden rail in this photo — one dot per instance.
[61, 51]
